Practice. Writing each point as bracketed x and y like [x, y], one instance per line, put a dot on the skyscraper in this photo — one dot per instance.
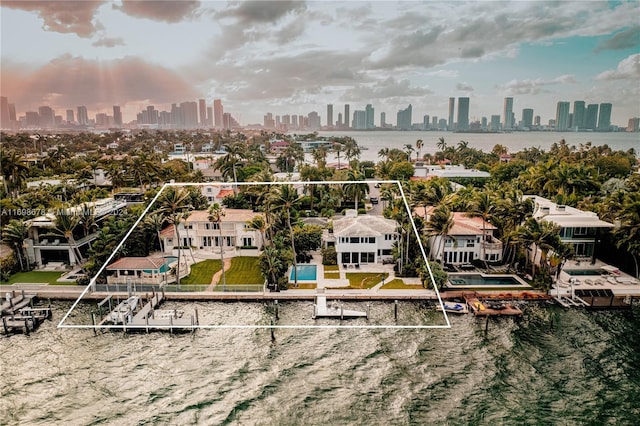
[383, 119]
[202, 109]
[591, 117]
[340, 124]
[209, 117]
[508, 114]
[117, 116]
[346, 116]
[70, 118]
[579, 111]
[83, 116]
[359, 120]
[152, 114]
[403, 121]
[5, 123]
[369, 113]
[604, 121]
[452, 109]
[562, 116]
[330, 122]
[314, 120]
[425, 122]
[527, 118]
[268, 122]
[189, 115]
[218, 113]
[495, 123]
[463, 114]
[47, 119]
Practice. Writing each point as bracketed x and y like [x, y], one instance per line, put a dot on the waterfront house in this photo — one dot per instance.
[448, 171]
[579, 228]
[155, 270]
[45, 244]
[200, 234]
[467, 240]
[361, 239]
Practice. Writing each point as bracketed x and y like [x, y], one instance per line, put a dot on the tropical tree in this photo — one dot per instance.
[483, 206]
[337, 149]
[216, 213]
[441, 144]
[229, 163]
[172, 203]
[14, 172]
[408, 148]
[14, 234]
[285, 200]
[439, 224]
[357, 188]
[155, 223]
[540, 236]
[419, 145]
[64, 223]
[627, 234]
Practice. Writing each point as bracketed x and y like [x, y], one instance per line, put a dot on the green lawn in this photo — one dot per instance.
[331, 275]
[202, 272]
[244, 270]
[331, 268]
[365, 279]
[398, 284]
[47, 277]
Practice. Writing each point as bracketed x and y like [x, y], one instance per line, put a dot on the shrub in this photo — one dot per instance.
[329, 256]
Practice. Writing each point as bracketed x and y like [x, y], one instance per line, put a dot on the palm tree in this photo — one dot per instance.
[408, 148]
[14, 234]
[216, 213]
[229, 162]
[155, 222]
[541, 235]
[483, 206]
[357, 188]
[14, 172]
[628, 232]
[351, 149]
[337, 148]
[172, 203]
[442, 145]
[64, 223]
[439, 224]
[285, 199]
[259, 224]
[320, 156]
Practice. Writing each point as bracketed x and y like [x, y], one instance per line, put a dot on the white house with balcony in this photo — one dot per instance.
[363, 239]
[44, 245]
[467, 240]
[198, 233]
[579, 228]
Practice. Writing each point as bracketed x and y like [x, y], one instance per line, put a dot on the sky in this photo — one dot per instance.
[294, 57]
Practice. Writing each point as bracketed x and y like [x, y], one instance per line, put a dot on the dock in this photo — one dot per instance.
[485, 308]
[19, 315]
[126, 316]
[334, 310]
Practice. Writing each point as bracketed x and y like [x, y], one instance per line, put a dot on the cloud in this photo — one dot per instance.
[626, 39]
[159, 10]
[63, 16]
[388, 88]
[251, 12]
[534, 87]
[109, 42]
[628, 68]
[464, 87]
[70, 81]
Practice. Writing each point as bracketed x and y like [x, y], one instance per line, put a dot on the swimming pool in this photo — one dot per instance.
[479, 280]
[305, 273]
[165, 267]
[595, 272]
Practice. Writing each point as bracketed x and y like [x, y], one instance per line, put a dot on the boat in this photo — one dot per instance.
[454, 307]
[123, 313]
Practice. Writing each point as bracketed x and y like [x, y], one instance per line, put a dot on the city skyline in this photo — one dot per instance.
[295, 57]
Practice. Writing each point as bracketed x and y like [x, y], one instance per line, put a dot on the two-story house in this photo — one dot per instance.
[467, 240]
[46, 244]
[364, 238]
[201, 234]
[579, 228]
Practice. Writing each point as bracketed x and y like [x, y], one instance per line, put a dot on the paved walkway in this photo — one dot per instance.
[216, 277]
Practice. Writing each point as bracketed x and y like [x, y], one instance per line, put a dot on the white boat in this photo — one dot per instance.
[454, 307]
[123, 313]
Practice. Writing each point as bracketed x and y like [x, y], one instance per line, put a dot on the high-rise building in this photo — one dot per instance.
[346, 116]
[340, 124]
[47, 117]
[404, 117]
[442, 124]
[176, 116]
[202, 109]
[117, 116]
[294, 121]
[369, 113]
[452, 109]
[484, 123]
[359, 120]
[463, 114]
[5, 122]
[12, 113]
[209, 117]
[152, 114]
[383, 119]
[579, 111]
[508, 114]
[537, 121]
[330, 115]
[495, 123]
[434, 123]
[527, 118]
[70, 116]
[83, 116]
[189, 115]
[604, 121]
[268, 122]
[286, 121]
[314, 121]
[633, 125]
[591, 117]
[562, 116]
[301, 122]
[425, 122]
[227, 121]
[218, 113]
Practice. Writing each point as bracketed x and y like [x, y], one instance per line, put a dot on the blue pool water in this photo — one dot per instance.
[165, 266]
[585, 272]
[305, 273]
[465, 280]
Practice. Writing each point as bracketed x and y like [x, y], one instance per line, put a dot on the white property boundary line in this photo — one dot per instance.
[92, 282]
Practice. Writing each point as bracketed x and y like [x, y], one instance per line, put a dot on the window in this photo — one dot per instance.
[207, 225]
[386, 252]
[216, 225]
[372, 240]
[354, 240]
[229, 241]
[247, 241]
[209, 189]
[206, 241]
[345, 257]
[580, 231]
